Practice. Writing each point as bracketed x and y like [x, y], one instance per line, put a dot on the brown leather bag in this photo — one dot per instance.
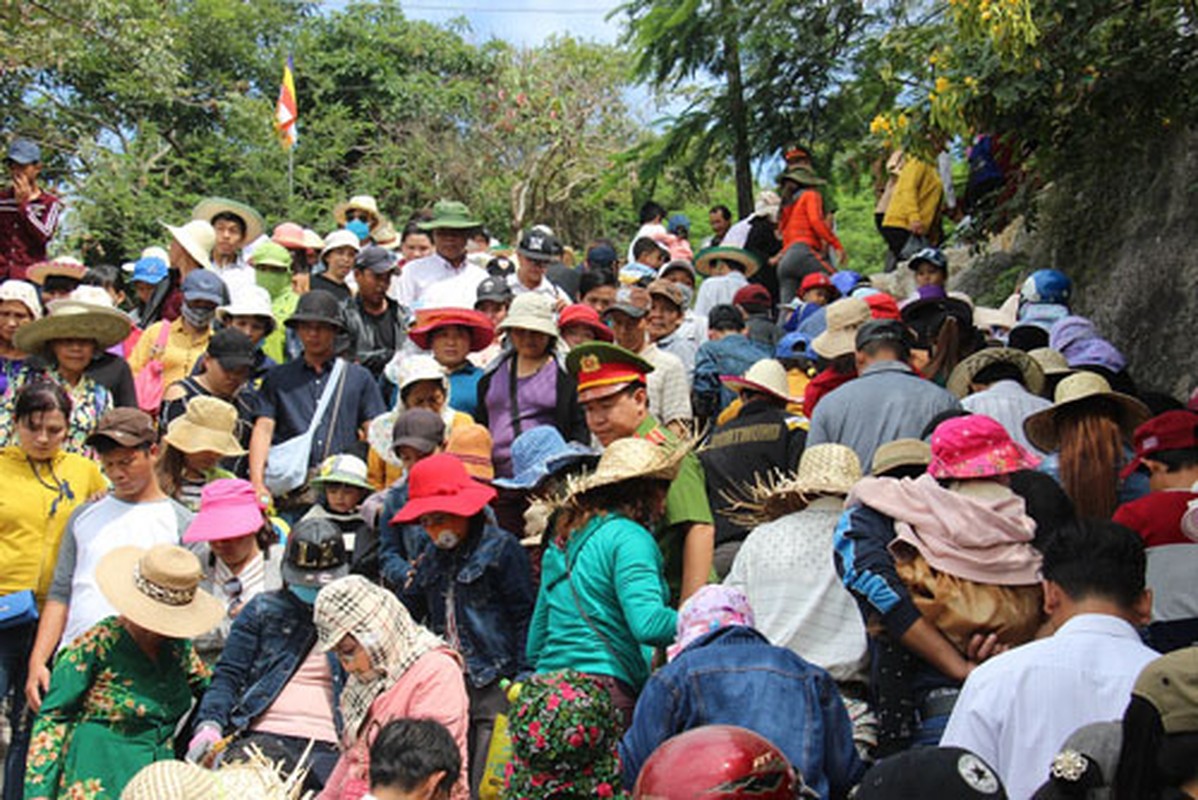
[959, 608]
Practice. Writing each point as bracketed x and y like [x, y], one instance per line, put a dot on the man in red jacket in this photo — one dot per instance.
[28, 216]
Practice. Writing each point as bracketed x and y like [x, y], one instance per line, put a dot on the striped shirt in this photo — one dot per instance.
[25, 230]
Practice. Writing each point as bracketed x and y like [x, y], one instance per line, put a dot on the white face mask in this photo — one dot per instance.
[445, 540]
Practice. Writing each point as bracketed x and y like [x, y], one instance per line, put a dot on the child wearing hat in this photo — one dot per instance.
[341, 483]
[18, 306]
[193, 447]
[472, 585]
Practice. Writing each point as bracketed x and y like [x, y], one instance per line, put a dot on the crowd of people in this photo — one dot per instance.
[396, 512]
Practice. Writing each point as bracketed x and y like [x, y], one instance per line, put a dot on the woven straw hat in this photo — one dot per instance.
[1052, 362]
[158, 589]
[63, 266]
[1041, 427]
[196, 237]
[361, 202]
[207, 426]
[900, 453]
[87, 314]
[209, 207]
[631, 459]
[824, 469]
[965, 371]
[179, 780]
[767, 376]
[471, 443]
[844, 317]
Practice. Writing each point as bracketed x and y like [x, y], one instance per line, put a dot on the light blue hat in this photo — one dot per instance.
[539, 453]
[149, 269]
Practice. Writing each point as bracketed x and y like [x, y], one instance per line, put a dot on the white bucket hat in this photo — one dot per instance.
[252, 301]
[341, 238]
[22, 292]
[531, 312]
[196, 237]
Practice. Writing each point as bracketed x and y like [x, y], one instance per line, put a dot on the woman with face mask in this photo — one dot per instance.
[273, 687]
[397, 668]
[472, 584]
[186, 339]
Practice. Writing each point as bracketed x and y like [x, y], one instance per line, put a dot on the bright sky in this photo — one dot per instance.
[521, 22]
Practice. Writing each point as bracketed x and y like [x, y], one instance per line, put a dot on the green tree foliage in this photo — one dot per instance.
[145, 106]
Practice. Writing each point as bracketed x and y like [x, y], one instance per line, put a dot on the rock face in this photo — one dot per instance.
[1129, 239]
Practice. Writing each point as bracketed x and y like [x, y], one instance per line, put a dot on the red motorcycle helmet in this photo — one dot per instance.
[720, 762]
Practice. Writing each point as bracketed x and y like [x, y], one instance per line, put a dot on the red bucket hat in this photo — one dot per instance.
[582, 314]
[482, 332]
[440, 484]
[976, 446]
[883, 306]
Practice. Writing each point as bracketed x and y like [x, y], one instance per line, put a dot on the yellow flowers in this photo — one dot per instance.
[942, 85]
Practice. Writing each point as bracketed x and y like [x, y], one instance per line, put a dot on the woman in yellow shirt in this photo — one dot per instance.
[188, 336]
[43, 485]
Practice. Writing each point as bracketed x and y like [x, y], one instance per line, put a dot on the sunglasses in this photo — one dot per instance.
[362, 216]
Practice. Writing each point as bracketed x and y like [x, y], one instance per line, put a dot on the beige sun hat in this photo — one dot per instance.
[824, 470]
[180, 780]
[1078, 388]
[24, 293]
[767, 376]
[159, 590]
[209, 207]
[63, 266]
[206, 426]
[531, 311]
[385, 236]
[629, 459]
[1005, 316]
[312, 240]
[844, 317]
[900, 453]
[968, 368]
[1052, 362]
[87, 313]
[197, 237]
[359, 202]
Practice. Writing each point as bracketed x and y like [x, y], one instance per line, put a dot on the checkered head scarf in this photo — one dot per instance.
[385, 630]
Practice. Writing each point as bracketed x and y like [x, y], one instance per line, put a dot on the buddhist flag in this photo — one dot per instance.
[286, 113]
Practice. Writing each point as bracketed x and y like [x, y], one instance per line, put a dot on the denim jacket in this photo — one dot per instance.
[734, 676]
[492, 600]
[269, 641]
[399, 543]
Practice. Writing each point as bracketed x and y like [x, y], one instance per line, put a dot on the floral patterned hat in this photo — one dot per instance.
[976, 446]
[564, 731]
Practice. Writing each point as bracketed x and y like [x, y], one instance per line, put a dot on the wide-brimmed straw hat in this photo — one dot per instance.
[1082, 387]
[629, 459]
[441, 484]
[844, 317]
[824, 469]
[360, 202]
[206, 427]
[197, 237]
[965, 371]
[209, 207]
[900, 453]
[86, 314]
[478, 324]
[159, 590]
[1052, 362]
[707, 257]
[180, 780]
[63, 266]
[531, 311]
[767, 376]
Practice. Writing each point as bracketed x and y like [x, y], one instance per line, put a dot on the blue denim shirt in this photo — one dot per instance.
[270, 638]
[734, 676]
[399, 544]
[492, 601]
[731, 355]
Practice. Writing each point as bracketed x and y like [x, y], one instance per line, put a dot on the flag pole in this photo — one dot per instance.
[290, 178]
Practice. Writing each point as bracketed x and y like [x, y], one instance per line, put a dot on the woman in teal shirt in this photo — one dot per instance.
[603, 603]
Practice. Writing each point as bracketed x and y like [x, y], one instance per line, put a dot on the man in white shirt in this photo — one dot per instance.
[727, 270]
[136, 514]
[536, 252]
[445, 278]
[1017, 709]
[236, 226]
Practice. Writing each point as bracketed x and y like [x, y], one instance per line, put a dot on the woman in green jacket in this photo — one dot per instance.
[603, 602]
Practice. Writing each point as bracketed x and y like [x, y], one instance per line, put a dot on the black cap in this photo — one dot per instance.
[232, 348]
[317, 306]
[539, 246]
[602, 255]
[500, 267]
[315, 553]
[725, 317]
[377, 259]
[494, 289]
[948, 773]
[883, 330]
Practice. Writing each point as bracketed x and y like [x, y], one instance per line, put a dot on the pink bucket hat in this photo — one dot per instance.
[975, 446]
[229, 509]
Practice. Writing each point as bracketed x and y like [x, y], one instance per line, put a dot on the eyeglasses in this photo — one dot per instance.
[357, 215]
